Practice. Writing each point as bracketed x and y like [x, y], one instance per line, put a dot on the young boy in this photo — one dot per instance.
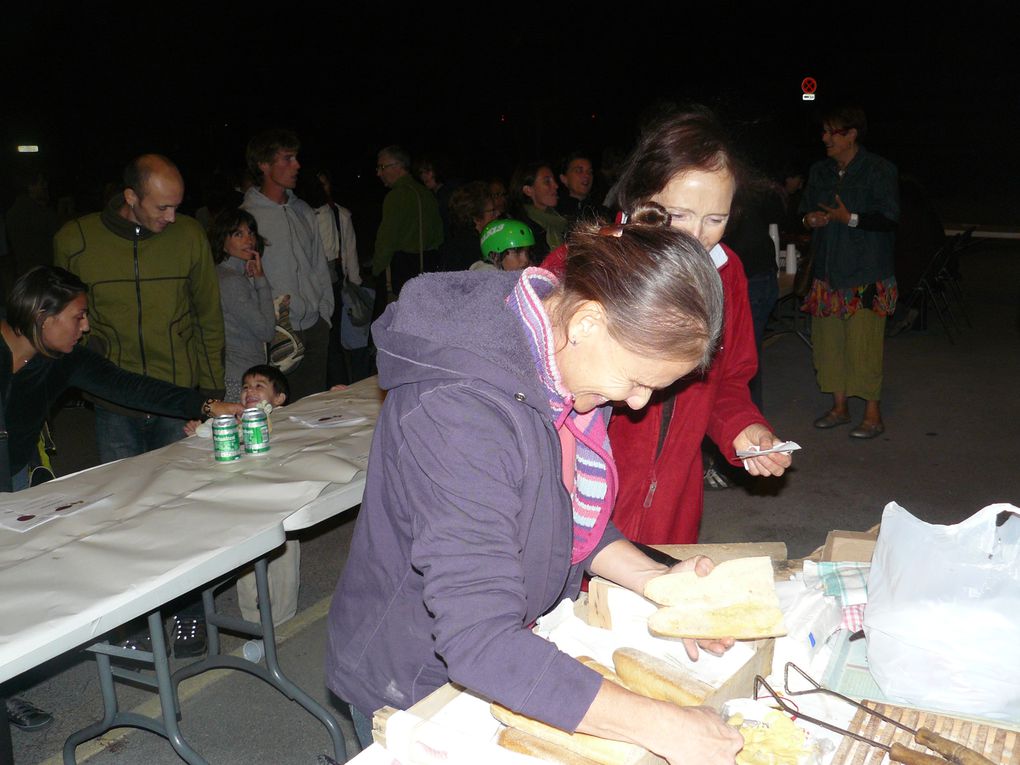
[506, 245]
[267, 383]
[264, 383]
[260, 383]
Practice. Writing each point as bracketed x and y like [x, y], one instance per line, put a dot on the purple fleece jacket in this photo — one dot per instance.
[465, 530]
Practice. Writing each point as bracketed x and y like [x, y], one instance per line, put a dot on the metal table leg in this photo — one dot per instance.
[6, 747]
[167, 727]
[272, 673]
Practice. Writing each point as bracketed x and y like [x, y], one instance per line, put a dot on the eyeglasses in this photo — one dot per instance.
[835, 131]
[380, 168]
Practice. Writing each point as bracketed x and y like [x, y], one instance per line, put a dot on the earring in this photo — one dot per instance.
[573, 341]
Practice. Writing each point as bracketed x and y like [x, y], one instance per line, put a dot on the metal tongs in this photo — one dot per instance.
[950, 750]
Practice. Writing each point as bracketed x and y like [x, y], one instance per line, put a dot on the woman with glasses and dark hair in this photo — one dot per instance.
[249, 319]
[683, 162]
[491, 483]
[852, 206]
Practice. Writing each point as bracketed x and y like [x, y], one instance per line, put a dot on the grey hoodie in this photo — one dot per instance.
[294, 260]
[464, 536]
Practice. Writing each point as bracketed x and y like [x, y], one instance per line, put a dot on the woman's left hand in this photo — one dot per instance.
[767, 464]
[702, 566]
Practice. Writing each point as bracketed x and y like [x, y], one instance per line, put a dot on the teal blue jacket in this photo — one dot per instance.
[846, 257]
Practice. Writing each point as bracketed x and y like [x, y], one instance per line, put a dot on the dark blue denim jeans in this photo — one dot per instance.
[120, 435]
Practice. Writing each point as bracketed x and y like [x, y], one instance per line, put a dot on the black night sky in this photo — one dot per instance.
[94, 84]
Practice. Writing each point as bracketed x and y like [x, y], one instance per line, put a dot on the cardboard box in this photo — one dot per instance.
[856, 546]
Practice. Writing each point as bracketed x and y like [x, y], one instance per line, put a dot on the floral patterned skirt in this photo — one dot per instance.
[823, 300]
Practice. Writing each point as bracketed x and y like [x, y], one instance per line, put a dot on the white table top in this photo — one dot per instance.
[170, 521]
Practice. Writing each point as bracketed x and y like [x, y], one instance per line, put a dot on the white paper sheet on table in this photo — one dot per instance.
[463, 732]
[23, 514]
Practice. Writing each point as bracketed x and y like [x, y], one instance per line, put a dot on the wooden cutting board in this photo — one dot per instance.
[996, 744]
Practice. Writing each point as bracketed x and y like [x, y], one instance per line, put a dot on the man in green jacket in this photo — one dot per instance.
[411, 229]
[154, 300]
[154, 309]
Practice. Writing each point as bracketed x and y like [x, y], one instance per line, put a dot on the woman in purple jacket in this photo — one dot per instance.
[491, 482]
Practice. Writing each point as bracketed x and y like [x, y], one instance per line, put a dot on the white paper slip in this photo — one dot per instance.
[337, 420]
[783, 448]
[25, 514]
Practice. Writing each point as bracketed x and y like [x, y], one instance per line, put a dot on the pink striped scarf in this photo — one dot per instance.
[595, 483]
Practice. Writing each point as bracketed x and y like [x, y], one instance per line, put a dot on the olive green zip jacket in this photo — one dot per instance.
[154, 299]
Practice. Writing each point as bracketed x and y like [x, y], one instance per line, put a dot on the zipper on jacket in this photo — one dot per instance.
[667, 419]
[138, 298]
[651, 490]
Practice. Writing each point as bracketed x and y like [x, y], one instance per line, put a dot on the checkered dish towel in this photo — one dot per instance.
[845, 580]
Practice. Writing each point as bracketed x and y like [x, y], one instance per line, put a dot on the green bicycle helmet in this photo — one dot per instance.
[502, 235]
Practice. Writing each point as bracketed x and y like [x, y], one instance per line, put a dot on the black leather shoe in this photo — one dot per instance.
[26, 715]
[867, 431]
[189, 636]
[831, 420]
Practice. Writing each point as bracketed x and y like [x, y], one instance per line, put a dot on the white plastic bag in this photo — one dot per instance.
[943, 615]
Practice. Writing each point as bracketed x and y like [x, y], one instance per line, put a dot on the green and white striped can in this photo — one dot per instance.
[226, 439]
[255, 429]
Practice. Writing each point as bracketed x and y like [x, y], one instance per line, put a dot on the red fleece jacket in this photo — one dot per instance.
[661, 495]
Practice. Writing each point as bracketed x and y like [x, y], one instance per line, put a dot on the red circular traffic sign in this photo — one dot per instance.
[808, 85]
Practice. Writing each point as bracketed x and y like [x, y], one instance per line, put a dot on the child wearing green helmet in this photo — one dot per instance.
[506, 245]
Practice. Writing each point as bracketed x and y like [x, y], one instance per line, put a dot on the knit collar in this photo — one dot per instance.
[121, 226]
[535, 285]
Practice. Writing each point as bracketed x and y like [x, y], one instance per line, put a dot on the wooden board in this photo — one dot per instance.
[996, 744]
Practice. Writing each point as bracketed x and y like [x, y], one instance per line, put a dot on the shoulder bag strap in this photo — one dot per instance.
[421, 237]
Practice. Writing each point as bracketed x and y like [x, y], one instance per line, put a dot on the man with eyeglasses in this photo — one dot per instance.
[411, 229]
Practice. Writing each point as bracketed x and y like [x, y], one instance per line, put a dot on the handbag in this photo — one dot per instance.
[358, 302]
[285, 350]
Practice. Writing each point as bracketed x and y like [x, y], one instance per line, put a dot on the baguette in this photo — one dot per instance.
[732, 581]
[738, 599]
[745, 621]
[658, 679]
[599, 750]
[524, 743]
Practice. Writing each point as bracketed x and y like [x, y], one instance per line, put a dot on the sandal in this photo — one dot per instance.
[715, 480]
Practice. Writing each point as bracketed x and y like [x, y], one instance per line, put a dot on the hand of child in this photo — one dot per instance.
[191, 426]
[254, 266]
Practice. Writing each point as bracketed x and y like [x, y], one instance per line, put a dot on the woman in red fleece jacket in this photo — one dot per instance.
[683, 162]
